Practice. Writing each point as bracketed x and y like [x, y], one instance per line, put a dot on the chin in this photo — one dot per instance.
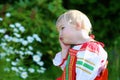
[67, 43]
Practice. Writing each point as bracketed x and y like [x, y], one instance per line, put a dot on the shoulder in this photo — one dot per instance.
[92, 46]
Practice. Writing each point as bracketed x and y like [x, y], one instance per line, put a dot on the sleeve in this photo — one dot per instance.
[90, 59]
[103, 71]
[58, 61]
[103, 55]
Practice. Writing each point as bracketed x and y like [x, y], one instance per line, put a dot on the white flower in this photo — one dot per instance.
[17, 35]
[42, 68]
[37, 37]
[6, 69]
[9, 51]
[40, 71]
[24, 42]
[21, 40]
[2, 31]
[31, 70]
[22, 29]
[1, 19]
[16, 51]
[9, 39]
[29, 52]
[17, 24]
[7, 59]
[30, 47]
[41, 63]
[30, 39]
[21, 68]
[15, 69]
[21, 52]
[36, 58]
[24, 75]
[8, 14]
[3, 44]
[15, 30]
[14, 39]
[14, 63]
[6, 36]
[12, 25]
[17, 60]
[39, 53]
[22, 48]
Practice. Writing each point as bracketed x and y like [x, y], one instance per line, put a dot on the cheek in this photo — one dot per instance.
[67, 31]
[68, 34]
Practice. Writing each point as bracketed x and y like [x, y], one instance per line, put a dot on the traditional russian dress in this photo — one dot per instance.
[86, 61]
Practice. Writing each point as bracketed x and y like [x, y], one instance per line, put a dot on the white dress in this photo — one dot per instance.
[91, 60]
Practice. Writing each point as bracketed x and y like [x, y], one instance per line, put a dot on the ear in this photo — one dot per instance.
[78, 25]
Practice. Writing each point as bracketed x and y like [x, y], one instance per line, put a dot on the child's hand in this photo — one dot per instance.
[63, 45]
[65, 48]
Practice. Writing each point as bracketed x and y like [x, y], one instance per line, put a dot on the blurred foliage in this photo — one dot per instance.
[39, 17]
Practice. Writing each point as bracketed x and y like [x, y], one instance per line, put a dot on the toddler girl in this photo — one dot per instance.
[81, 57]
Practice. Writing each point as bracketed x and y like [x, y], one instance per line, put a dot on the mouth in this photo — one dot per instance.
[61, 38]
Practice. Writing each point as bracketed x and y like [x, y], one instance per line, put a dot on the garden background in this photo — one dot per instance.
[29, 40]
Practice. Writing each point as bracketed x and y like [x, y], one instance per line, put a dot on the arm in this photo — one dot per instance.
[103, 75]
[90, 59]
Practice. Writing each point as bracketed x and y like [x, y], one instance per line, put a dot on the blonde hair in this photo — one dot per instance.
[73, 17]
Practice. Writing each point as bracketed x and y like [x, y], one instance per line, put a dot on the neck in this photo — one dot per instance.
[84, 37]
[83, 40]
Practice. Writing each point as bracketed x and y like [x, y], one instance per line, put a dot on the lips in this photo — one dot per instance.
[61, 38]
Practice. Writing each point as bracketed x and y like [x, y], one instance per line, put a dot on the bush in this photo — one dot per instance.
[28, 37]
[18, 50]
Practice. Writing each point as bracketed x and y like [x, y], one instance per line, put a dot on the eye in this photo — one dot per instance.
[62, 28]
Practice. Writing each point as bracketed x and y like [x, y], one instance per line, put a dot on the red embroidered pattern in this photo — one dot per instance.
[91, 46]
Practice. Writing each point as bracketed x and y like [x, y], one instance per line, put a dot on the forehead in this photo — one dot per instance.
[60, 23]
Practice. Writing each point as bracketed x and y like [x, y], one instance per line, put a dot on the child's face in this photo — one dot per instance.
[68, 33]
